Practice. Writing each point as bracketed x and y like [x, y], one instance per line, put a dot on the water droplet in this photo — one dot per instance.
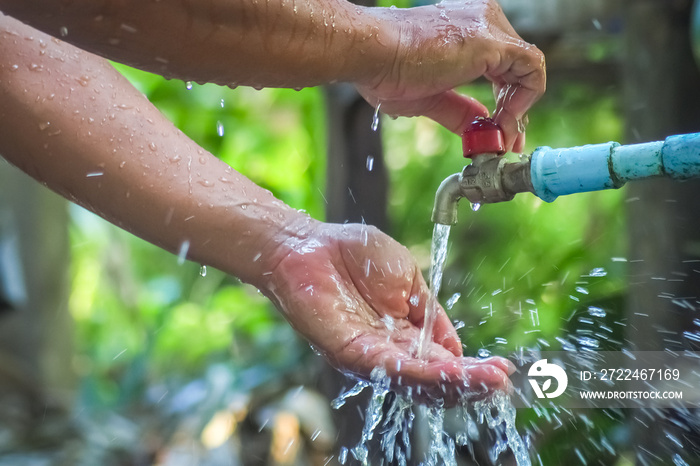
[128, 28]
[63, 31]
[152, 146]
[219, 128]
[476, 206]
[452, 301]
[375, 119]
[206, 183]
[598, 272]
[596, 311]
[188, 85]
[14, 67]
[343, 455]
[414, 300]
[389, 323]
[222, 103]
[44, 125]
[587, 342]
[483, 353]
[94, 174]
[370, 163]
[203, 271]
[182, 253]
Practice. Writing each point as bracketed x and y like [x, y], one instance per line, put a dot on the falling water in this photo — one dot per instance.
[438, 251]
[375, 118]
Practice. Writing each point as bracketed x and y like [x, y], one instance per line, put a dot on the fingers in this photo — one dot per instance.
[516, 89]
[519, 144]
[455, 111]
[445, 334]
[449, 379]
[502, 363]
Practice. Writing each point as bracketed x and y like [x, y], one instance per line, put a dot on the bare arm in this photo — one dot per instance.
[408, 60]
[71, 121]
[270, 43]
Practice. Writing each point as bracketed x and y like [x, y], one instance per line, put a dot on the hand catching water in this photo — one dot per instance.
[359, 298]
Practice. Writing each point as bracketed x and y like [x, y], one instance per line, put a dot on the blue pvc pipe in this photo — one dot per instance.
[557, 172]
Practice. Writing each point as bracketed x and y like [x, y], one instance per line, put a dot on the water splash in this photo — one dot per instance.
[373, 415]
[499, 414]
[391, 417]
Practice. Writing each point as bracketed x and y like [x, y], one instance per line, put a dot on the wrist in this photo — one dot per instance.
[279, 238]
[372, 51]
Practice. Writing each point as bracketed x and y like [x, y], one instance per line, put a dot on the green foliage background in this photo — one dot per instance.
[522, 269]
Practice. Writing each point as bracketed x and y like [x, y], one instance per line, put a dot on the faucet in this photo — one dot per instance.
[549, 173]
[489, 178]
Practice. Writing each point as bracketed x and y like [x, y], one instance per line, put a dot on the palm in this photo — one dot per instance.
[360, 299]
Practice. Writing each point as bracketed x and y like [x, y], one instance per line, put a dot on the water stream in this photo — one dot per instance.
[438, 254]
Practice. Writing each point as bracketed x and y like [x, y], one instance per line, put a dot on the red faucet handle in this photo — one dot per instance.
[483, 136]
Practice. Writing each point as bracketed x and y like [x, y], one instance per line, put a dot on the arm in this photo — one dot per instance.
[408, 60]
[72, 122]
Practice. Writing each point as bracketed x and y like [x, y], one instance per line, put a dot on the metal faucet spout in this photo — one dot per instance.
[448, 195]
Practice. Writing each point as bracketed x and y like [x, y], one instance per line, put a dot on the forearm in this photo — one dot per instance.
[72, 122]
[271, 43]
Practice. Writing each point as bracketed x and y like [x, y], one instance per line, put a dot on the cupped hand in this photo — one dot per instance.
[360, 299]
[450, 44]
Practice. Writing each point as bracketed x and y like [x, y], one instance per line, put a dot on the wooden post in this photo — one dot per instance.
[356, 191]
[36, 338]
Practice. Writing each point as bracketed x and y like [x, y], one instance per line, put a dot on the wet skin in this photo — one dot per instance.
[409, 60]
[359, 297]
[349, 289]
